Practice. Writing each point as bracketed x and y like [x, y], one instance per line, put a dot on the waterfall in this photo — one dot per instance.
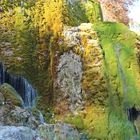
[21, 85]
[2, 74]
[41, 118]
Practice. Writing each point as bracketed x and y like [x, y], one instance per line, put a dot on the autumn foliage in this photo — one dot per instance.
[116, 10]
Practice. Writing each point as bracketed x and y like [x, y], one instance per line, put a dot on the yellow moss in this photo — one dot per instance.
[92, 120]
[95, 121]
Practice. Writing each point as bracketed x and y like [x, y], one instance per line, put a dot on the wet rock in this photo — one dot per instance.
[18, 116]
[57, 131]
[17, 133]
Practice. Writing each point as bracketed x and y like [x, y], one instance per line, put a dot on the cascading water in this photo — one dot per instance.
[21, 85]
[2, 74]
[41, 118]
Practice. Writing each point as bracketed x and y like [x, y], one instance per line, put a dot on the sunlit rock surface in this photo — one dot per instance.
[84, 40]
[44, 132]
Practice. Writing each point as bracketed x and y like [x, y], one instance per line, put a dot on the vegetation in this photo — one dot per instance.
[10, 95]
[118, 46]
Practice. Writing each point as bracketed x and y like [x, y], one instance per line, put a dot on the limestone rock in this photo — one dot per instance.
[83, 40]
[73, 36]
[86, 27]
[69, 75]
[14, 115]
[43, 132]
[17, 133]
[58, 132]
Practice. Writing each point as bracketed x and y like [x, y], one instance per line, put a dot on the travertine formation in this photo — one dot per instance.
[83, 41]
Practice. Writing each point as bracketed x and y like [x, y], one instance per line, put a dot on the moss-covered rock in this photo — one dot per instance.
[1, 99]
[10, 95]
[59, 131]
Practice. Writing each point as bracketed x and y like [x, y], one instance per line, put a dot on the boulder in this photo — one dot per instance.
[59, 131]
[10, 95]
[14, 115]
[17, 133]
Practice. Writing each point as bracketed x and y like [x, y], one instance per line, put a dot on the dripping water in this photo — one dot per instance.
[131, 113]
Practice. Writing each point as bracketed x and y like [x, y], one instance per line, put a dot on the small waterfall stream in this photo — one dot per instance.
[41, 118]
[21, 85]
[130, 112]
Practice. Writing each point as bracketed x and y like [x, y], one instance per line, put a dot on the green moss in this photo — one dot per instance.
[120, 128]
[92, 121]
[77, 121]
[115, 36]
[93, 11]
[11, 95]
[121, 71]
[95, 121]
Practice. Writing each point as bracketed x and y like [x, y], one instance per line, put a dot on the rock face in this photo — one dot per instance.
[83, 40]
[75, 77]
[69, 79]
[17, 133]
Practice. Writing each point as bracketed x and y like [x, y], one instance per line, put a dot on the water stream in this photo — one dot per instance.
[23, 87]
[41, 118]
